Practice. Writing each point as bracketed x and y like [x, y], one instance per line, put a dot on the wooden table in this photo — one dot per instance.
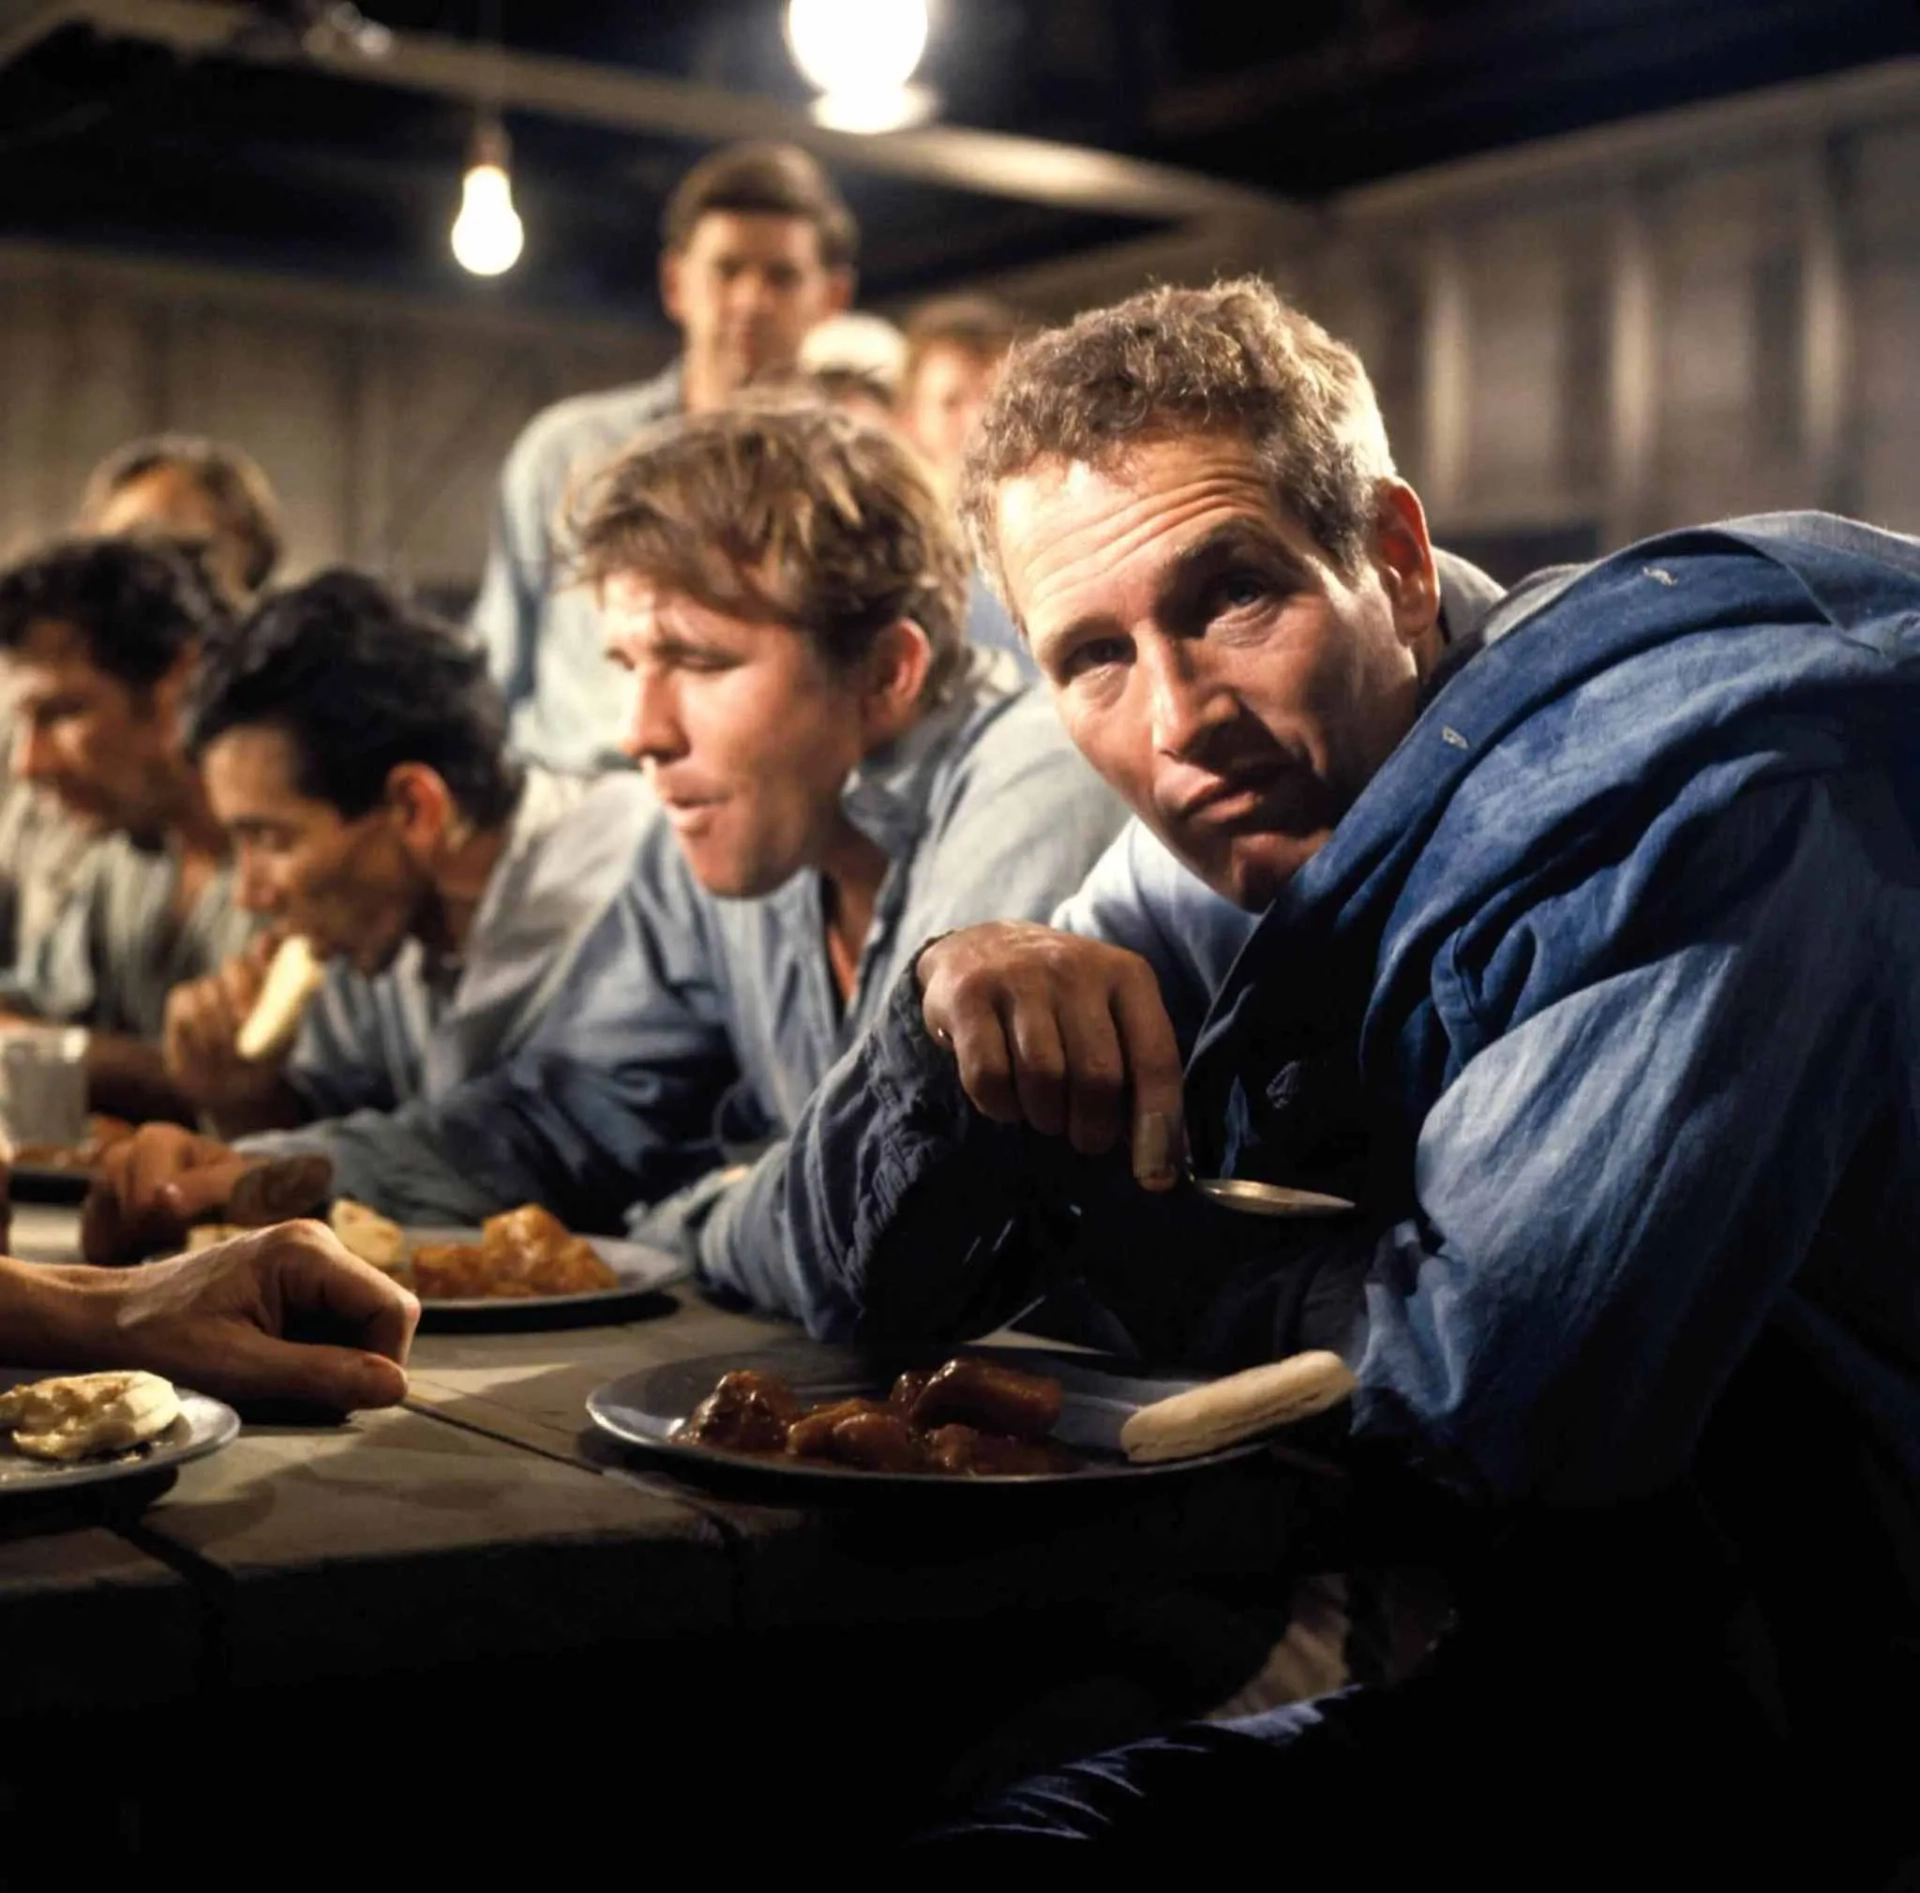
[481, 1561]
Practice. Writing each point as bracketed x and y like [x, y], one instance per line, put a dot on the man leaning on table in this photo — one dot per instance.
[839, 777]
[757, 248]
[354, 750]
[1579, 945]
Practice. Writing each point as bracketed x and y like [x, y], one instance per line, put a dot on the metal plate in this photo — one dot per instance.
[204, 1426]
[643, 1410]
[643, 1271]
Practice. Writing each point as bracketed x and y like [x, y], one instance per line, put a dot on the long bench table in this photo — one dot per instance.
[483, 1560]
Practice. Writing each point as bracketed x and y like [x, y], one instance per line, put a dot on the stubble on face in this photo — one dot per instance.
[745, 732]
[1220, 670]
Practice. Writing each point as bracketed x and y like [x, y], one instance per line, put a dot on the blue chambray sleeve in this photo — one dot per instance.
[1617, 1186]
[611, 1102]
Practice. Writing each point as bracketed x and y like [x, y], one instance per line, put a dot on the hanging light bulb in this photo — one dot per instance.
[487, 234]
[861, 53]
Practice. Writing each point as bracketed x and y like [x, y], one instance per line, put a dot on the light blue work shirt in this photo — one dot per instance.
[428, 1023]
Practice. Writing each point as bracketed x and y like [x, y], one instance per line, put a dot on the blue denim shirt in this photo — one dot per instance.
[1600, 1000]
[692, 1029]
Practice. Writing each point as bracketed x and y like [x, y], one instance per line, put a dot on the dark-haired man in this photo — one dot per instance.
[1574, 939]
[210, 499]
[757, 247]
[99, 641]
[838, 777]
[354, 751]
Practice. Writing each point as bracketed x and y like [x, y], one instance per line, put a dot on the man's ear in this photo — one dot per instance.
[422, 806]
[670, 285]
[1403, 556]
[840, 288]
[896, 673]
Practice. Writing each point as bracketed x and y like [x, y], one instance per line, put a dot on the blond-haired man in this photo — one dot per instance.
[838, 778]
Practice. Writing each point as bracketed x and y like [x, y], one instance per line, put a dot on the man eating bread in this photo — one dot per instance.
[1571, 937]
[423, 893]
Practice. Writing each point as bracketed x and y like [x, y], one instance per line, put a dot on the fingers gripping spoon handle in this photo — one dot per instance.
[1155, 1142]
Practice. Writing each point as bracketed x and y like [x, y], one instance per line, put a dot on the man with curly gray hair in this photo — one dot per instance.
[1508, 931]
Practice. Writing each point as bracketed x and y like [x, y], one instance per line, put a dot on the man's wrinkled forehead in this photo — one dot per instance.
[1067, 525]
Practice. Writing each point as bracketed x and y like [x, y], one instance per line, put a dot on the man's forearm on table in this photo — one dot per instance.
[281, 1109]
[387, 1160]
[51, 1316]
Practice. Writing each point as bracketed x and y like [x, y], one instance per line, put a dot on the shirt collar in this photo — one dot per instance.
[886, 797]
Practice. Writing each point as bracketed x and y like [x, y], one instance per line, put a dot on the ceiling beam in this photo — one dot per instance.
[25, 23]
[1031, 170]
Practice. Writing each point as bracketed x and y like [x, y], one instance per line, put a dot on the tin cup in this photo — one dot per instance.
[43, 1083]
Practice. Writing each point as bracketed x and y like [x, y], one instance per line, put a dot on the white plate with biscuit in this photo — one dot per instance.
[90, 1428]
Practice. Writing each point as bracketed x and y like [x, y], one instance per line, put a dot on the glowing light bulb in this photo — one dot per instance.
[857, 45]
[487, 234]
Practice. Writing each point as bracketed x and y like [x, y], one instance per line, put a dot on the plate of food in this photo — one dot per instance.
[523, 1268]
[83, 1429]
[805, 1420]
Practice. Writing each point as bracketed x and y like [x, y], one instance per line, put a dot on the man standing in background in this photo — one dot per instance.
[757, 248]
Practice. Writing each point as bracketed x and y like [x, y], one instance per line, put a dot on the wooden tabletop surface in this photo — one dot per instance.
[488, 1514]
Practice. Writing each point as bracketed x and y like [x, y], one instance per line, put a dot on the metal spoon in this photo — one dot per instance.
[1158, 1147]
[1268, 1199]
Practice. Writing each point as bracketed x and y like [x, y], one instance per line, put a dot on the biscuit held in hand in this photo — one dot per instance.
[291, 982]
[1224, 1412]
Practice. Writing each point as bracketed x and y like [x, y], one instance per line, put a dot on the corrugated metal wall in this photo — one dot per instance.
[380, 423]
